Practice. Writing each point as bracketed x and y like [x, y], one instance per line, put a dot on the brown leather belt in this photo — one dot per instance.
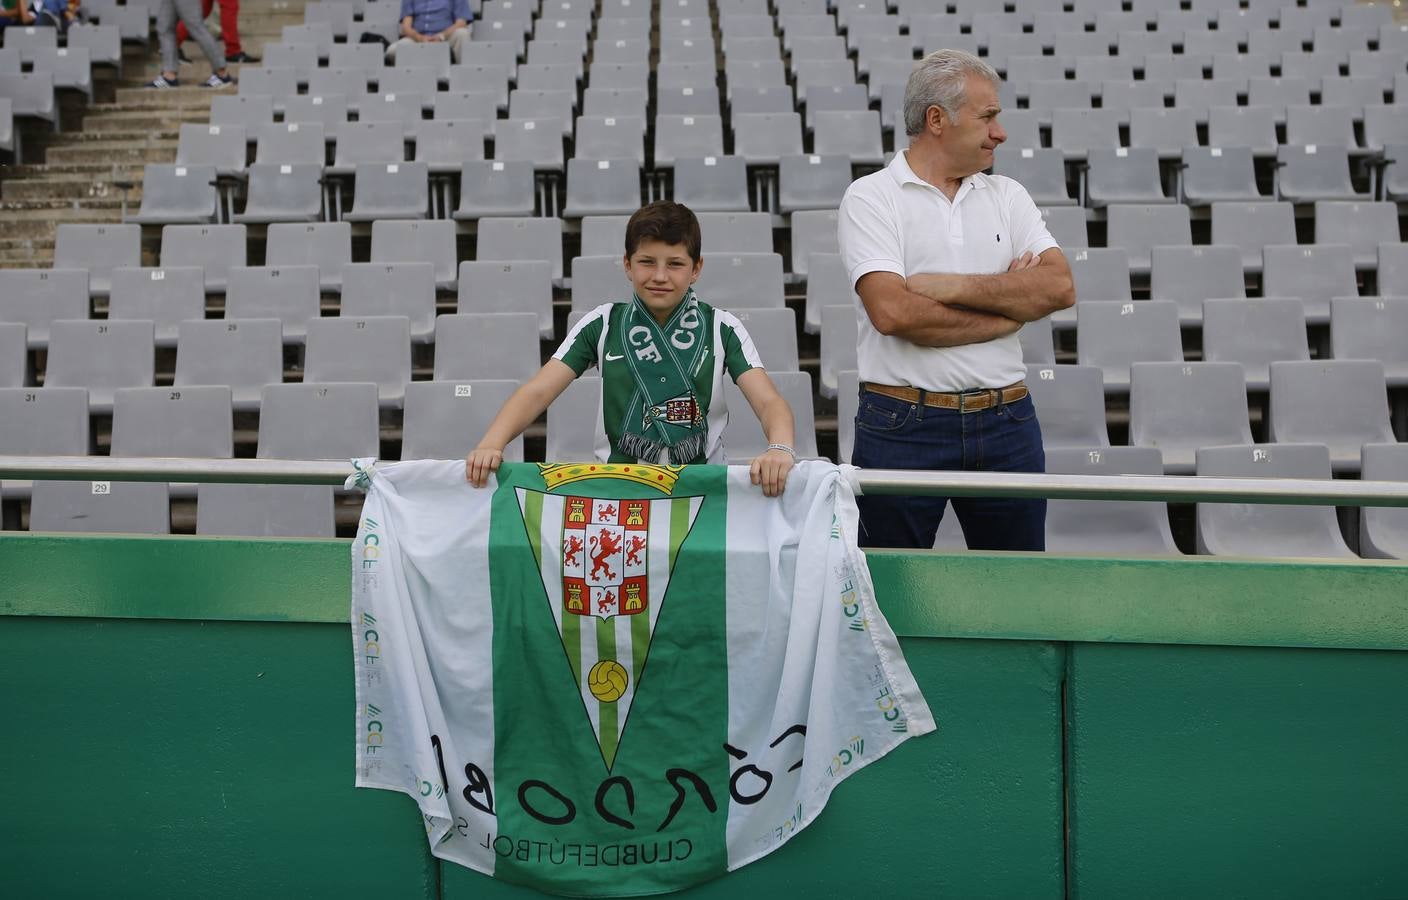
[965, 402]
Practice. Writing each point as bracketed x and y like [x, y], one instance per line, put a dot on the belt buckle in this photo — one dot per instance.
[963, 397]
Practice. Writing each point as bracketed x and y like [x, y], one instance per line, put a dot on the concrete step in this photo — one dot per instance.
[75, 170]
[37, 219]
[140, 120]
[61, 189]
[112, 138]
[192, 97]
[163, 152]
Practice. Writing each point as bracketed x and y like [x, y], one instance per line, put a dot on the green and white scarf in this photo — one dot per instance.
[664, 413]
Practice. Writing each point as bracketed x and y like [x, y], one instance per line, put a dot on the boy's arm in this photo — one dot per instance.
[520, 410]
[771, 468]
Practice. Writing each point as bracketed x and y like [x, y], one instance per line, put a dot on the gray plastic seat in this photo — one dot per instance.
[1212, 174]
[1238, 529]
[602, 187]
[824, 97]
[609, 137]
[1200, 95]
[475, 106]
[1309, 173]
[496, 188]
[1321, 126]
[509, 238]
[283, 192]
[849, 134]
[838, 344]
[356, 56]
[1372, 328]
[368, 142]
[812, 182]
[486, 345]
[1189, 275]
[395, 190]
[150, 421]
[1395, 173]
[774, 334]
[1066, 224]
[177, 194]
[1077, 132]
[490, 77]
[101, 356]
[1383, 531]
[31, 94]
[396, 241]
[1124, 175]
[292, 143]
[392, 289]
[1099, 273]
[1315, 273]
[1041, 171]
[751, 232]
[743, 436]
[296, 421]
[1139, 228]
[1107, 527]
[711, 183]
[742, 280]
[1360, 225]
[1341, 403]
[813, 231]
[604, 236]
[573, 421]
[1038, 344]
[165, 297]
[1165, 131]
[762, 139]
[327, 245]
[616, 102]
[1253, 226]
[394, 106]
[432, 56]
[445, 145]
[219, 146]
[534, 140]
[70, 67]
[687, 136]
[491, 286]
[1177, 407]
[103, 43]
[215, 248]
[597, 280]
[287, 293]
[1385, 126]
[1254, 333]
[45, 421]
[686, 100]
[14, 356]
[1393, 269]
[361, 348]
[1070, 404]
[99, 249]
[243, 354]
[1253, 127]
[444, 419]
[1114, 335]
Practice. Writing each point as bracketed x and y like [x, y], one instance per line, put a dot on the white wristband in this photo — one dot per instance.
[784, 448]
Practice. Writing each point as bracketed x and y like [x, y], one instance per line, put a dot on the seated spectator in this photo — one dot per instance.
[61, 14]
[433, 21]
[15, 12]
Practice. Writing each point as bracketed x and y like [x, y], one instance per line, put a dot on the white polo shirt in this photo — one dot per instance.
[894, 221]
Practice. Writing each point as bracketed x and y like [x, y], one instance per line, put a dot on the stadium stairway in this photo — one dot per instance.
[76, 174]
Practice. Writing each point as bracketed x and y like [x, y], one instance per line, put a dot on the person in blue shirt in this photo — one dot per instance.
[433, 21]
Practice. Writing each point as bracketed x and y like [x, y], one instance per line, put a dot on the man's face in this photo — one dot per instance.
[970, 137]
[660, 274]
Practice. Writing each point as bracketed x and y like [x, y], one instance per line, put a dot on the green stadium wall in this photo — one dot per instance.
[179, 716]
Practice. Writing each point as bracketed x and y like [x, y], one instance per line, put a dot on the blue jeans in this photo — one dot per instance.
[894, 434]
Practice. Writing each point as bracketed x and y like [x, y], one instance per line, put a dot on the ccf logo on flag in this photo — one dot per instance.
[617, 679]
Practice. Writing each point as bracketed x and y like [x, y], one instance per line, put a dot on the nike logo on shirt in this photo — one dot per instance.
[610, 358]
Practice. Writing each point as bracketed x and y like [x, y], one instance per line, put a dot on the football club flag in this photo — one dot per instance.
[603, 679]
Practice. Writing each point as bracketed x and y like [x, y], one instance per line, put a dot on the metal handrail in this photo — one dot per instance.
[1176, 488]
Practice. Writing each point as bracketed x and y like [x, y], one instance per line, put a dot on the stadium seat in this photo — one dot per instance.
[1315, 273]
[1309, 173]
[1189, 275]
[15, 370]
[1139, 228]
[283, 192]
[1070, 404]
[711, 183]
[296, 421]
[1177, 407]
[1023, 130]
[444, 419]
[1254, 333]
[812, 182]
[597, 280]
[486, 345]
[1213, 174]
[573, 422]
[491, 286]
[45, 421]
[1384, 126]
[355, 56]
[103, 43]
[446, 144]
[1077, 132]
[37, 297]
[31, 95]
[1123, 175]
[215, 248]
[101, 356]
[825, 97]
[1395, 173]
[292, 143]
[460, 106]
[390, 190]
[1372, 328]
[1253, 226]
[1099, 273]
[744, 232]
[827, 285]
[774, 334]
[1066, 224]
[687, 136]
[507, 238]
[1041, 171]
[741, 280]
[615, 102]
[743, 436]
[368, 141]
[1038, 344]
[165, 297]
[1340, 403]
[609, 137]
[1107, 527]
[327, 245]
[604, 236]
[1321, 126]
[1253, 127]
[496, 188]
[537, 141]
[1113, 335]
[391, 289]
[177, 194]
[1237, 529]
[1165, 131]
[597, 187]
[838, 344]
[813, 231]
[1360, 225]
[762, 139]
[99, 249]
[412, 241]
[361, 348]
[1200, 95]
[847, 403]
[243, 355]
[219, 146]
[854, 135]
[286, 293]
[489, 77]
[1393, 270]
[687, 100]
[1383, 531]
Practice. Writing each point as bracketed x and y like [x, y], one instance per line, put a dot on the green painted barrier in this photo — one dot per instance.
[180, 717]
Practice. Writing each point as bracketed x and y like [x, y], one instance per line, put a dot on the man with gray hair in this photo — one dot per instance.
[948, 263]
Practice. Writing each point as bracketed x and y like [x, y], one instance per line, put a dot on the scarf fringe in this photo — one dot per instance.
[644, 448]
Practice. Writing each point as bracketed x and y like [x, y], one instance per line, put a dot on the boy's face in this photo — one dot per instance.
[660, 274]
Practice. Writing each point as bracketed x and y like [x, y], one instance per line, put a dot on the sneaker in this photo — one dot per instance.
[241, 57]
[217, 81]
[181, 55]
[161, 81]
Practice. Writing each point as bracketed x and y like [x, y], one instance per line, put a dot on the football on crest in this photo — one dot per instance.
[607, 680]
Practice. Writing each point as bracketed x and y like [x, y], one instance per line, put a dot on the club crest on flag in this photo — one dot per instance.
[606, 565]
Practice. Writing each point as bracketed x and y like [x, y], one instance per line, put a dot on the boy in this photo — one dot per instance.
[662, 355]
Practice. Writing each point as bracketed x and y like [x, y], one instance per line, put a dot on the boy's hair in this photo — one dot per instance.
[665, 221]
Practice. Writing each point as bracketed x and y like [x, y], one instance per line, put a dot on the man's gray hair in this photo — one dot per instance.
[939, 79]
